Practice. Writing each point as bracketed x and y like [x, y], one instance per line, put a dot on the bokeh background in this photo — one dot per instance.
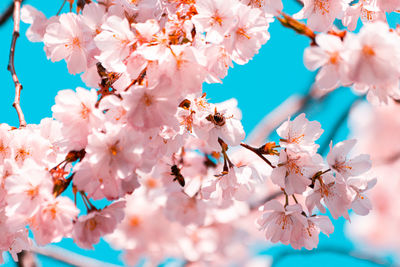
[275, 74]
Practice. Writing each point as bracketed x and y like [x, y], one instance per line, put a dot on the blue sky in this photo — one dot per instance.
[273, 75]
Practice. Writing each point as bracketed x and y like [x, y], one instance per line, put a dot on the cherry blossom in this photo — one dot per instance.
[290, 173]
[343, 167]
[372, 63]
[114, 41]
[328, 56]
[148, 142]
[78, 115]
[279, 222]
[358, 185]
[300, 134]
[67, 39]
[54, 220]
[215, 17]
[320, 14]
[336, 197]
[249, 34]
[88, 229]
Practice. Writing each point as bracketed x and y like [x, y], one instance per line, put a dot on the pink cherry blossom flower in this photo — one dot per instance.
[220, 121]
[5, 139]
[321, 14]
[216, 17]
[94, 15]
[14, 235]
[116, 151]
[335, 194]
[343, 167]
[237, 183]
[67, 39]
[99, 185]
[139, 234]
[358, 186]
[279, 222]
[273, 7]
[367, 12]
[291, 172]
[38, 21]
[115, 42]
[184, 209]
[53, 221]
[308, 236]
[152, 106]
[300, 134]
[249, 34]
[188, 68]
[327, 55]
[373, 57]
[219, 61]
[27, 189]
[89, 228]
[27, 144]
[388, 5]
[78, 115]
[114, 111]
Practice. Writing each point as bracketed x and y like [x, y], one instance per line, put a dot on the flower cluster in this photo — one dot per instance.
[367, 61]
[149, 141]
[301, 171]
[321, 14]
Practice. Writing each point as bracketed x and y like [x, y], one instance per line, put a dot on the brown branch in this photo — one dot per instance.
[258, 153]
[257, 204]
[7, 13]
[26, 259]
[11, 67]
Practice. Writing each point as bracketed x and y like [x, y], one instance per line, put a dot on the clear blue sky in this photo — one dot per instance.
[274, 74]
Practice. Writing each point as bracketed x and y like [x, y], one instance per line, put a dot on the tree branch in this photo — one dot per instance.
[257, 152]
[69, 257]
[257, 204]
[26, 259]
[333, 250]
[7, 13]
[11, 67]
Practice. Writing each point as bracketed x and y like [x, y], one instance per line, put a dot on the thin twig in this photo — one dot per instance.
[255, 150]
[69, 257]
[11, 67]
[59, 11]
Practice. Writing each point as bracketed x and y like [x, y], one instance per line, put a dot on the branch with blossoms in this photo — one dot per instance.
[147, 139]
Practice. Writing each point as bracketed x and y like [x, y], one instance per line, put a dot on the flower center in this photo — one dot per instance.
[322, 6]
[368, 51]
